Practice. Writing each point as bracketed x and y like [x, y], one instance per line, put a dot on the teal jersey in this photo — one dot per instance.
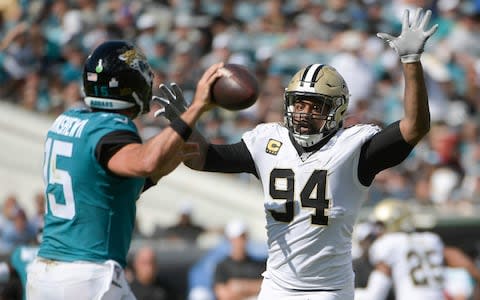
[20, 259]
[90, 212]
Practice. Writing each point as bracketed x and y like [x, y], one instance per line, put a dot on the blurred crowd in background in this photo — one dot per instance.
[43, 44]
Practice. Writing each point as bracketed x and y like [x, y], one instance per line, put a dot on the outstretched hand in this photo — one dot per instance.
[172, 101]
[410, 43]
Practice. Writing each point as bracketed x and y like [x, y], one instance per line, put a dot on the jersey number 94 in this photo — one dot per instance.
[317, 180]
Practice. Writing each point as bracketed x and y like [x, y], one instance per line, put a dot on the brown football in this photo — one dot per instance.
[237, 89]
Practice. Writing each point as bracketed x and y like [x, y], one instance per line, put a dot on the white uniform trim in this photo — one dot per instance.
[105, 103]
[309, 78]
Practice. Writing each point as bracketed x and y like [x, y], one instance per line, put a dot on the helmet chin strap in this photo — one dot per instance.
[307, 140]
[139, 103]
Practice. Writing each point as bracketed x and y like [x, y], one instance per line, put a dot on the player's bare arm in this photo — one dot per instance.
[197, 162]
[393, 144]
[410, 45]
[161, 154]
[456, 258]
[416, 122]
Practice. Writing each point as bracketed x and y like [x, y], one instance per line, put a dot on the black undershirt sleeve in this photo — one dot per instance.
[385, 149]
[111, 143]
[233, 158]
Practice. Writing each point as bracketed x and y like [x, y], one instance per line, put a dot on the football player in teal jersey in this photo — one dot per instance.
[96, 167]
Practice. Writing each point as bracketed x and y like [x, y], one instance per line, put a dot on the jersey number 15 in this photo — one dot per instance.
[54, 175]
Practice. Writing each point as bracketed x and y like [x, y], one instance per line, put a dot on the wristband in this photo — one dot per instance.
[410, 58]
[181, 128]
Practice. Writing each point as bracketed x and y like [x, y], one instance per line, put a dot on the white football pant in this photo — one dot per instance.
[57, 280]
[270, 290]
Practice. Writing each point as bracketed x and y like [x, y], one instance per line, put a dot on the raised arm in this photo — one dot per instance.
[161, 154]
[456, 258]
[173, 105]
[393, 144]
[410, 45]
[232, 158]
[416, 121]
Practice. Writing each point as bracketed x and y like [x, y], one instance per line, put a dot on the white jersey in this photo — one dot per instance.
[416, 262]
[311, 204]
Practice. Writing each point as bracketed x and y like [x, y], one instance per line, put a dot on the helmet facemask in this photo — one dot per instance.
[325, 91]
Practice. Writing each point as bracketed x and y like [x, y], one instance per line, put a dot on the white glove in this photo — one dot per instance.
[172, 100]
[409, 44]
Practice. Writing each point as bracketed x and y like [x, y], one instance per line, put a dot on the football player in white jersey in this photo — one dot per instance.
[413, 260]
[315, 173]
[410, 261]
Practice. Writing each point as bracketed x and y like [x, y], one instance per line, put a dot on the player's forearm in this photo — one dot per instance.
[191, 115]
[163, 153]
[456, 258]
[378, 286]
[145, 160]
[198, 162]
[416, 122]
[409, 46]
[159, 155]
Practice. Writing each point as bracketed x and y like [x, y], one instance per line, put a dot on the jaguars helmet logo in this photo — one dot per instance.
[137, 61]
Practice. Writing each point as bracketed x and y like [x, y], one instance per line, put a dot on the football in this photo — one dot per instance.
[237, 89]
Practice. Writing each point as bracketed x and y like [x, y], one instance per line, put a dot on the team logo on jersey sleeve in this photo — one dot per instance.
[273, 146]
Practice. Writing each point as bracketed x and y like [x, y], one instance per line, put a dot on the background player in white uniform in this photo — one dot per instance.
[95, 169]
[315, 173]
[412, 262]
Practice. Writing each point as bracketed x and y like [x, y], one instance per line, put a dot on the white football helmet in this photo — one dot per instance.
[319, 83]
[394, 214]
